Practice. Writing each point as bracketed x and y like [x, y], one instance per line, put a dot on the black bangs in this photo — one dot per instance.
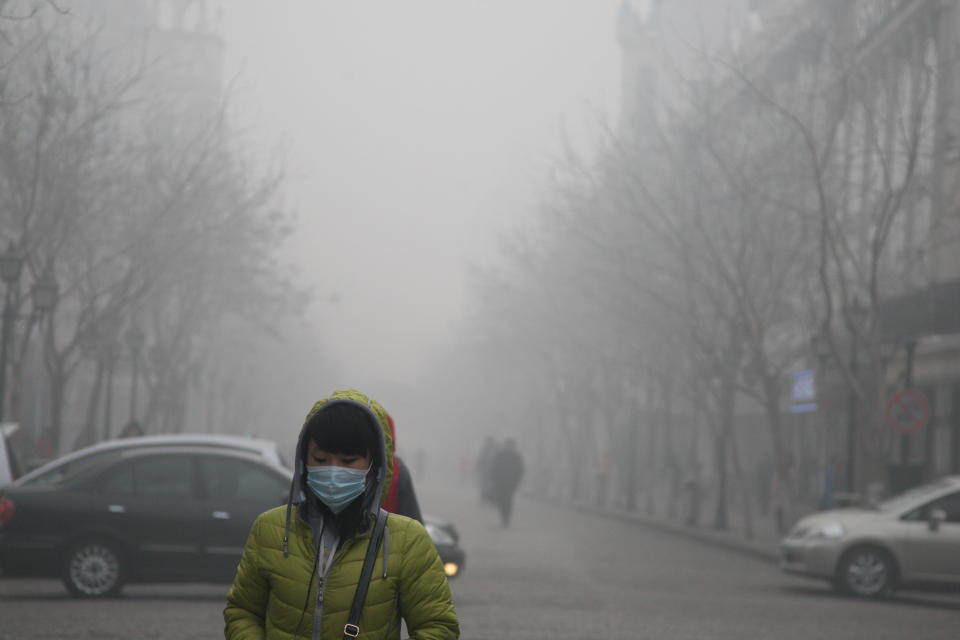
[346, 429]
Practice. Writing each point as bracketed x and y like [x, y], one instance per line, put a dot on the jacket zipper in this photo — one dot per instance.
[321, 583]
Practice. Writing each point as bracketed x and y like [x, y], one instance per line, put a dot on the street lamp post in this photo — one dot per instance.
[135, 339]
[108, 352]
[44, 293]
[11, 263]
[857, 314]
[911, 348]
[820, 348]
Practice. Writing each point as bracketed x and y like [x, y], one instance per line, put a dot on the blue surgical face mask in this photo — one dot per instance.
[335, 486]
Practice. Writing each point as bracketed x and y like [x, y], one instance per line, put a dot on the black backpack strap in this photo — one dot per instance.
[352, 628]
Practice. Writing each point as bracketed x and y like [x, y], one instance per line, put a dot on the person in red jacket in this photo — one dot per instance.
[401, 498]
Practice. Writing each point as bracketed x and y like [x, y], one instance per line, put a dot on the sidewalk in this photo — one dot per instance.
[763, 546]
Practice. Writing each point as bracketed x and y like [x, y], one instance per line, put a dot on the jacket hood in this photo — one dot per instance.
[377, 487]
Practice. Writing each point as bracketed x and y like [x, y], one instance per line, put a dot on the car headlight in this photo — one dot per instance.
[439, 534]
[827, 530]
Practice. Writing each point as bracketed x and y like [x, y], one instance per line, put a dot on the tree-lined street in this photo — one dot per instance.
[777, 200]
[728, 308]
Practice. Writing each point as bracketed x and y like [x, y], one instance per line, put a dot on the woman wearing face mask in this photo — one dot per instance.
[301, 566]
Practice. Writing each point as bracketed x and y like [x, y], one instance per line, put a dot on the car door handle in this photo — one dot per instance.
[221, 515]
[117, 508]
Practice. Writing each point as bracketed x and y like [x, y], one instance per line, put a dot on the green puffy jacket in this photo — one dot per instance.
[269, 592]
[274, 598]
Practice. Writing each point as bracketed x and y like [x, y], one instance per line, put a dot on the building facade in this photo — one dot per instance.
[886, 77]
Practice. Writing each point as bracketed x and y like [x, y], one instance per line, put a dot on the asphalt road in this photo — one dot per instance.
[555, 573]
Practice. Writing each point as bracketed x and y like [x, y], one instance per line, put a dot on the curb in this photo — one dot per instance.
[768, 553]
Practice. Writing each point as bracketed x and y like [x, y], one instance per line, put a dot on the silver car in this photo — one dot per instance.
[910, 540]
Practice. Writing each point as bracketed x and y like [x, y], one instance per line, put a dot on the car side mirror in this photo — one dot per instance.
[935, 518]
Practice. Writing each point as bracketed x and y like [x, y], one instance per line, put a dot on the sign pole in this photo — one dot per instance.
[907, 384]
[852, 410]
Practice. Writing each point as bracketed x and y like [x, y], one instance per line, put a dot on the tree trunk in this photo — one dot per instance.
[726, 401]
[58, 392]
[771, 407]
[720, 455]
[633, 428]
[88, 434]
[673, 465]
[652, 420]
[741, 482]
[108, 401]
[693, 488]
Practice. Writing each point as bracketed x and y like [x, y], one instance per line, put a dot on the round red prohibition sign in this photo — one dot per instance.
[908, 411]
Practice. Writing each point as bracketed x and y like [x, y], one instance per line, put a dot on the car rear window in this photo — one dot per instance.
[908, 498]
[226, 478]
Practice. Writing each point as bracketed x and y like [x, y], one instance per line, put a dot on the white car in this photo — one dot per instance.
[910, 540]
[53, 471]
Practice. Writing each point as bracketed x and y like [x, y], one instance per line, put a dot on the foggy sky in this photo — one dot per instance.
[414, 134]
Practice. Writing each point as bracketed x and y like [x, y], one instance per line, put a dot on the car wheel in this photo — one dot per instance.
[867, 572]
[93, 569]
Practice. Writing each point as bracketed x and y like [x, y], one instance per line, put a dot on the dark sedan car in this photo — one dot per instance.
[179, 513]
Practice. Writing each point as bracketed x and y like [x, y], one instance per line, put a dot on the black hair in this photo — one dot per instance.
[346, 429]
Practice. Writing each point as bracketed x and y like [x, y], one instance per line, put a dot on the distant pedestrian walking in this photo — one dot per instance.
[483, 469]
[506, 472]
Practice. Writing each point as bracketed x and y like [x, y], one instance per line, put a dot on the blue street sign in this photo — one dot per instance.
[803, 392]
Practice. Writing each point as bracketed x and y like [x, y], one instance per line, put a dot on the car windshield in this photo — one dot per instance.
[71, 468]
[12, 463]
[910, 497]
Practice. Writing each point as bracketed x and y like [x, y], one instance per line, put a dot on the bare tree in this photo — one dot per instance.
[164, 227]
